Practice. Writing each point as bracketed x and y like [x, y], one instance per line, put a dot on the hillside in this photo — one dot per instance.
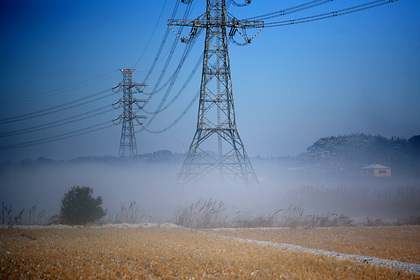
[361, 149]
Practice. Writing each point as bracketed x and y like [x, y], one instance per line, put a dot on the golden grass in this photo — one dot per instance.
[162, 253]
[392, 243]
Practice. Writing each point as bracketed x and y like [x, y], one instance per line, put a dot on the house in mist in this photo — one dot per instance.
[376, 170]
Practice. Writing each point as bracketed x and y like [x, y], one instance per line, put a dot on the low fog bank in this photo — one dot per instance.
[341, 190]
[314, 189]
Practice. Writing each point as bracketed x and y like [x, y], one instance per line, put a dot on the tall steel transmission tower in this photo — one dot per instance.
[216, 124]
[128, 146]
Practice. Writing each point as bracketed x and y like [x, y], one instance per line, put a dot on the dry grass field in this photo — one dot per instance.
[162, 253]
[391, 243]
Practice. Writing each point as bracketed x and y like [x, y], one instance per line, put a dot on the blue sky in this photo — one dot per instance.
[291, 85]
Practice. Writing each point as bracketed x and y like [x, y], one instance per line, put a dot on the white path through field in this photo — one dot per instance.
[410, 267]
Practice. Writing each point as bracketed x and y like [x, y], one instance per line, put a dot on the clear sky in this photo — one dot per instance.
[291, 85]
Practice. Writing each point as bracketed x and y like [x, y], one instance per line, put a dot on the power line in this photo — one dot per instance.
[57, 123]
[153, 33]
[57, 108]
[183, 113]
[162, 44]
[199, 62]
[173, 77]
[170, 79]
[62, 107]
[169, 59]
[291, 10]
[159, 108]
[183, 58]
[78, 132]
[57, 91]
[336, 13]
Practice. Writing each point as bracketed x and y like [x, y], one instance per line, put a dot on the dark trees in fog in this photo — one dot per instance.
[78, 207]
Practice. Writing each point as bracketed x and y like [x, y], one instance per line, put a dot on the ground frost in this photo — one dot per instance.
[410, 267]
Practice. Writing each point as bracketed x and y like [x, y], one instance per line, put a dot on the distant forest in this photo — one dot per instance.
[360, 149]
[350, 151]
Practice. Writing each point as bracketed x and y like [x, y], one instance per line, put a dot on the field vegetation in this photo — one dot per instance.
[390, 242]
[162, 252]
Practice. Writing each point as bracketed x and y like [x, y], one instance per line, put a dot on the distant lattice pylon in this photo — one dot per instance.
[216, 124]
[128, 146]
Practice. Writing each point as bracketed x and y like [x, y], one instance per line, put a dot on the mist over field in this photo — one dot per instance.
[313, 189]
[292, 85]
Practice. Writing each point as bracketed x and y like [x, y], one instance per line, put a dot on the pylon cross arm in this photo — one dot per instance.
[204, 22]
[140, 100]
[140, 86]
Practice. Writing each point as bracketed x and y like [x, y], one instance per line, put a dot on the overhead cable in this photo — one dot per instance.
[290, 10]
[169, 58]
[57, 108]
[336, 13]
[72, 119]
[183, 58]
[78, 132]
[162, 102]
[153, 33]
[184, 86]
[162, 44]
[58, 91]
[184, 112]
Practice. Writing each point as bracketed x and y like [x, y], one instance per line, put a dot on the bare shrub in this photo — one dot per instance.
[409, 221]
[131, 214]
[34, 218]
[375, 222]
[328, 220]
[205, 214]
[293, 217]
[261, 221]
[213, 214]
[19, 218]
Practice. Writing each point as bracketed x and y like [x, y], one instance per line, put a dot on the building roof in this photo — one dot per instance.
[376, 166]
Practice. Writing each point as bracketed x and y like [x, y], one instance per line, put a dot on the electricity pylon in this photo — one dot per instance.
[128, 146]
[216, 115]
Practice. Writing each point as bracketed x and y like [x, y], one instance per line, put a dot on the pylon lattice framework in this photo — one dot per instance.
[128, 146]
[216, 114]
